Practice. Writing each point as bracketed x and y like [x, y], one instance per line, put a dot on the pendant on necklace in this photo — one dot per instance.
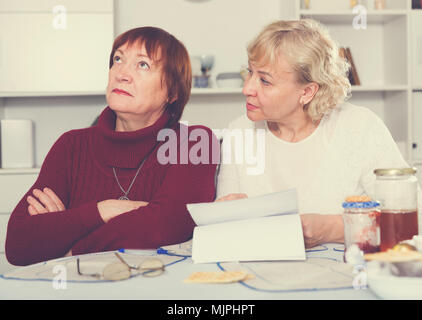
[123, 198]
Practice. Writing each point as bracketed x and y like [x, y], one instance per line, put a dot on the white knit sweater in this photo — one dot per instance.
[337, 160]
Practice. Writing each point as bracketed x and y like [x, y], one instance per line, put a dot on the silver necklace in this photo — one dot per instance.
[125, 193]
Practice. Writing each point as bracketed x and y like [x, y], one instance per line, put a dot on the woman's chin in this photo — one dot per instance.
[118, 107]
[253, 116]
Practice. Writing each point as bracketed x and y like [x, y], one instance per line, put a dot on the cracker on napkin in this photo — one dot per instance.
[218, 277]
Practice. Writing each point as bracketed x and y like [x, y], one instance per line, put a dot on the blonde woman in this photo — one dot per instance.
[315, 142]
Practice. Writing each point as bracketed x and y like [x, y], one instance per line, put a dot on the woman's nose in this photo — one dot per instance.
[249, 87]
[123, 74]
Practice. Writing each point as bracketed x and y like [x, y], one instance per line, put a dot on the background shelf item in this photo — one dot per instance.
[353, 72]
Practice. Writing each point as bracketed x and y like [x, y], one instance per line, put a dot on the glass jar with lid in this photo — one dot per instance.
[362, 225]
[396, 191]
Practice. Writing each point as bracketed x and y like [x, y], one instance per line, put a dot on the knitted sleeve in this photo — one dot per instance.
[165, 220]
[32, 239]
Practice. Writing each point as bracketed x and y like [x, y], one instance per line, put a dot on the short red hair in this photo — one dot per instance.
[174, 59]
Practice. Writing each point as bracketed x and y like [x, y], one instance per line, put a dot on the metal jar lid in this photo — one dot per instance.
[360, 205]
[395, 171]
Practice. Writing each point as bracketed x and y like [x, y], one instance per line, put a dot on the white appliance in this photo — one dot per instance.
[17, 143]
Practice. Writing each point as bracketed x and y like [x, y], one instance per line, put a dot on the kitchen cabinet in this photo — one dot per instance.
[417, 127]
[54, 46]
[417, 48]
[13, 185]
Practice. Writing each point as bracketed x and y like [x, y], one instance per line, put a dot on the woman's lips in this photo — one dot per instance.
[122, 92]
[251, 107]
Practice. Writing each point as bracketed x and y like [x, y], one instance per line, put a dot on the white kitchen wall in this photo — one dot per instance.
[219, 27]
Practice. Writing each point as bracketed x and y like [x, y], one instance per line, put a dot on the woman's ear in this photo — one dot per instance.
[309, 92]
[170, 100]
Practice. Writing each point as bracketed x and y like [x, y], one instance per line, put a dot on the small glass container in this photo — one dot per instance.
[396, 191]
[379, 4]
[362, 226]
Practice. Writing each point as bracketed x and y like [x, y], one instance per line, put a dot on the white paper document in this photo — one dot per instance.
[263, 228]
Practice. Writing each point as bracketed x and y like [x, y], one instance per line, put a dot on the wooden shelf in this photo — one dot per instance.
[373, 16]
[376, 88]
[51, 94]
[19, 171]
[216, 91]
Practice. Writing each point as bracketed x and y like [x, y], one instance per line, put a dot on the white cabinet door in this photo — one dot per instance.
[4, 265]
[417, 125]
[46, 52]
[12, 189]
[4, 219]
[417, 47]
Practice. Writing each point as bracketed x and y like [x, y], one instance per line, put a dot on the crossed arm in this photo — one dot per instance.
[46, 201]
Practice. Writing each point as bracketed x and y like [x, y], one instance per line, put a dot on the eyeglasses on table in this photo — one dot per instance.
[115, 271]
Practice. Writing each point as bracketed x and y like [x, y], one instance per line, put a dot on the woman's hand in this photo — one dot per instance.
[322, 228]
[44, 201]
[112, 208]
[232, 196]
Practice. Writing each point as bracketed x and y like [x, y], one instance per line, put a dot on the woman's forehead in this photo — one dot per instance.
[276, 66]
[142, 50]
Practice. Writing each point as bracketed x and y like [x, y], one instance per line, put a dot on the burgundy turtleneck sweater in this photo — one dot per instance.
[78, 168]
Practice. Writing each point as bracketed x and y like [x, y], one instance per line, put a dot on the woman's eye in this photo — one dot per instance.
[143, 65]
[116, 59]
[265, 82]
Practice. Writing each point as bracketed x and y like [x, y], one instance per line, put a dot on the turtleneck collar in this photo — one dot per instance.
[123, 149]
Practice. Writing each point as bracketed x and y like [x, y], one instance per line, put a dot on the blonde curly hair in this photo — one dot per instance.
[313, 55]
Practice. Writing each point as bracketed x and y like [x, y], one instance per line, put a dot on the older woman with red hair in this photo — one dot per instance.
[105, 187]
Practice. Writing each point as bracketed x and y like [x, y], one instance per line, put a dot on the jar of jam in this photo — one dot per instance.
[362, 225]
[396, 191]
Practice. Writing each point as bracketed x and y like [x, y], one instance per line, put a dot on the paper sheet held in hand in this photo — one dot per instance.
[261, 228]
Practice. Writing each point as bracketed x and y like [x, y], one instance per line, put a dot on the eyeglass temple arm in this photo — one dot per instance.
[124, 262]
[95, 275]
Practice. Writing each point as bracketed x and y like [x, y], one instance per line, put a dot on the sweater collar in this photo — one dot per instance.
[124, 149]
